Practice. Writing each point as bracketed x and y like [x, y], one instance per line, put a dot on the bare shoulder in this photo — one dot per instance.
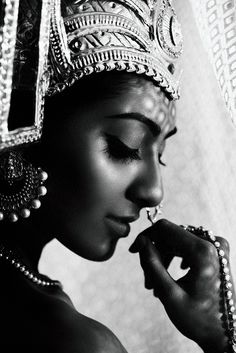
[50, 323]
[82, 334]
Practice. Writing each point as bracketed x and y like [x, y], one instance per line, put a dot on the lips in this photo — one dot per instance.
[120, 227]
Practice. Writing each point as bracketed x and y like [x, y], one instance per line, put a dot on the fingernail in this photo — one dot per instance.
[137, 245]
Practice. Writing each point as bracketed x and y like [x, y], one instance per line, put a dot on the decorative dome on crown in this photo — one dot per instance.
[45, 46]
[102, 35]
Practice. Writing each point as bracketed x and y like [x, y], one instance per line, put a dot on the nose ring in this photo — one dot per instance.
[152, 216]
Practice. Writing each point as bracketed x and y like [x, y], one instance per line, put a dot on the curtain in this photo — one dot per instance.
[216, 20]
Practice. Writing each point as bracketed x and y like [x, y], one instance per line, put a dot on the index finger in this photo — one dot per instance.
[176, 241]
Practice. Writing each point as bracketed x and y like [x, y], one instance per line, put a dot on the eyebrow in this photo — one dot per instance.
[153, 127]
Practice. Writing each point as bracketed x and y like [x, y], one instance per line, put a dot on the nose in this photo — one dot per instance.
[147, 188]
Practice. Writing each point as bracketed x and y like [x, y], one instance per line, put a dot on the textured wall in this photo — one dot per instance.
[200, 189]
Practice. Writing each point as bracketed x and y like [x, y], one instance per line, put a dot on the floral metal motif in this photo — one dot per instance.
[110, 35]
[92, 36]
[168, 30]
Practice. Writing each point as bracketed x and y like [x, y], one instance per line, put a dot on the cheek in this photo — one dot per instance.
[90, 178]
[108, 179]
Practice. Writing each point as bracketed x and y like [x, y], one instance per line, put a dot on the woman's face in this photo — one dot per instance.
[104, 166]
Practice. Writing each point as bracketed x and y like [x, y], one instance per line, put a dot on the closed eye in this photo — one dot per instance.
[119, 151]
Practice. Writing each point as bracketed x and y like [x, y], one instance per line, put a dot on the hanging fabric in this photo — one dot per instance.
[216, 21]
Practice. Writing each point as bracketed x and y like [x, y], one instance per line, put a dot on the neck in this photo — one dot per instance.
[27, 238]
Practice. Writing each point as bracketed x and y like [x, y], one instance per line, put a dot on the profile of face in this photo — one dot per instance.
[103, 156]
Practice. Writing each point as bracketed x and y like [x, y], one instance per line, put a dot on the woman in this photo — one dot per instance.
[101, 146]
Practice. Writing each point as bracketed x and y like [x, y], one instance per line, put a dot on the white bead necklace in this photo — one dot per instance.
[227, 294]
[11, 258]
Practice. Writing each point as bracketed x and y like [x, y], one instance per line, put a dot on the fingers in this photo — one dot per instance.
[172, 240]
[168, 235]
[156, 275]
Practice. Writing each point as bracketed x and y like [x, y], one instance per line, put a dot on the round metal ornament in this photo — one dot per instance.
[21, 186]
[167, 30]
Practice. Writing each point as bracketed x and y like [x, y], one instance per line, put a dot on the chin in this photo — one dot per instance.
[102, 253]
[94, 252]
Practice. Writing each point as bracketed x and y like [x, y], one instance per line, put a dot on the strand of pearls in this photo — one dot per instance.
[11, 258]
[227, 286]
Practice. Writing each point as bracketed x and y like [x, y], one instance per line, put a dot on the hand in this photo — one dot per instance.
[193, 302]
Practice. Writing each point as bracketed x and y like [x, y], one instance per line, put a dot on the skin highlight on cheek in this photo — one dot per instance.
[114, 148]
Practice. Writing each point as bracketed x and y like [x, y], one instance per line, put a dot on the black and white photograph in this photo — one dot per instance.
[117, 176]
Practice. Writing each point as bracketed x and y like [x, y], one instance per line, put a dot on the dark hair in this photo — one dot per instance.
[89, 89]
[96, 87]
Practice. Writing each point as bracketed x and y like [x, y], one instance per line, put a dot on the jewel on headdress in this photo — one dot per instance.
[94, 36]
[86, 36]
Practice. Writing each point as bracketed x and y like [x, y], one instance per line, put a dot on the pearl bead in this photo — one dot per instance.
[43, 175]
[226, 270]
[25, 213]
[212, 237]
[8, 256]
[221, 253]
[228, 285]
[36, 204]
[13, 217]
[1, 216]
[42, 190]
[224, 261]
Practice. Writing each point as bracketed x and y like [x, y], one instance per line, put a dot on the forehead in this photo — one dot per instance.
[152, 102]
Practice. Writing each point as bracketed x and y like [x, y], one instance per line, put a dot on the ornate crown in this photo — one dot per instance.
[81, 37]
[102, 35]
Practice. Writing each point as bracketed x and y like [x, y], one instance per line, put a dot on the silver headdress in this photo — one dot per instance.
[103, 35]
[15, 36]
[84, 37]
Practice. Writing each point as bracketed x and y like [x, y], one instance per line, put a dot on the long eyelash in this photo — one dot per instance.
[160, 160]
[118, 151]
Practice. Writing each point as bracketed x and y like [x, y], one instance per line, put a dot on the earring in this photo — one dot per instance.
[152, 217]
[21, 185]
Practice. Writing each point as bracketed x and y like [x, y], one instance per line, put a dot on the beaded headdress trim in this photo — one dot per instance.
[133, 36]
[81, 37]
